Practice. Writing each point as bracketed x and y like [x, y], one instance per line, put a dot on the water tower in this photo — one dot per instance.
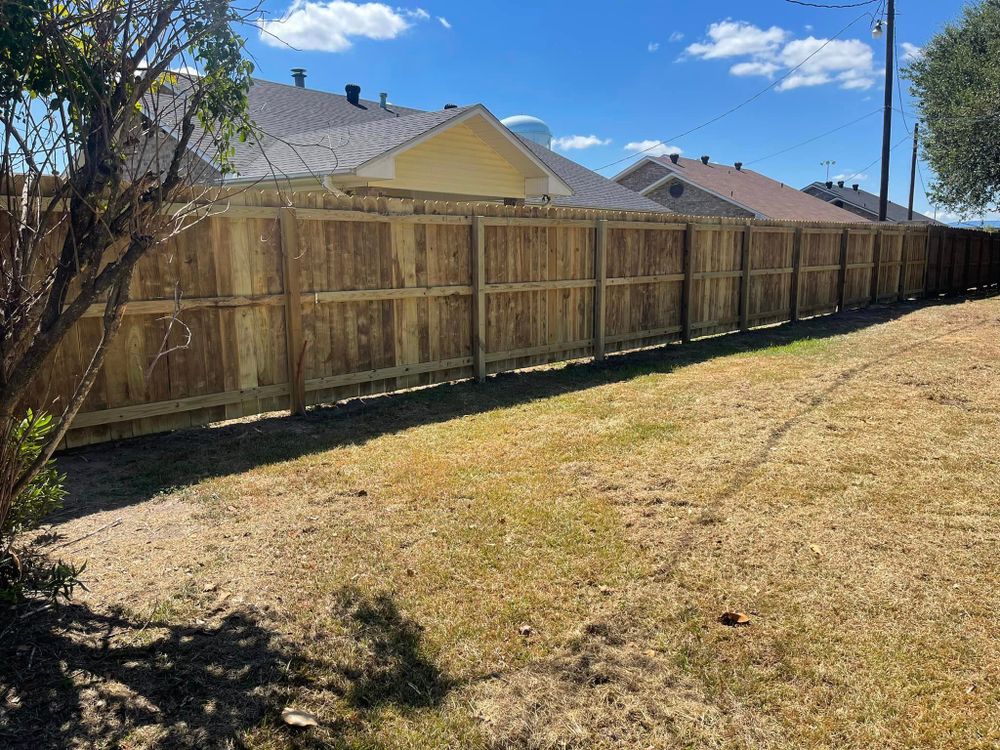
[530, 128]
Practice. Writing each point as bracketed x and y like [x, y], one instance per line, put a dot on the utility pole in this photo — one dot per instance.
[890, 48]
[913, 171]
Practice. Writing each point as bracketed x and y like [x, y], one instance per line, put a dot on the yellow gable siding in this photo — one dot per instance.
[456, 161]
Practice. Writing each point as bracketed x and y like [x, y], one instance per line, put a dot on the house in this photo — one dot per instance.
[861, 202]
[701, 187]
[311, 139]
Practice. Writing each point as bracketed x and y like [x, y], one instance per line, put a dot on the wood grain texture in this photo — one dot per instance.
[393, 293]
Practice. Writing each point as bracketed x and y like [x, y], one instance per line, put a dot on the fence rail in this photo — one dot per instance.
[331, 298]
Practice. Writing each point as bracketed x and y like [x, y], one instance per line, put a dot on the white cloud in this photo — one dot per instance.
[444, 22]
[652, 148]
[329, 26]
[675, 36]
[569, 142]
[737, 38]
[911, 52]
[809, 61]
[652, 46]
[186, 70]
[755, 68]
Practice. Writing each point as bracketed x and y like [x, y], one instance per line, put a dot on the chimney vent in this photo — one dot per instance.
[383, 100]
[840, 183]
[353, 93]
[451, 106]
[704, 160]
[739, 166]
[674, 157]
[829, 184]
[855, 187]
[299, 76]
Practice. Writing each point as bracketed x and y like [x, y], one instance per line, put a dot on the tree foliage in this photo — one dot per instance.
[957, 83]
[102, 104]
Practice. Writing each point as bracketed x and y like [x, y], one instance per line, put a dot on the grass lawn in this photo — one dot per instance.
[541, 561]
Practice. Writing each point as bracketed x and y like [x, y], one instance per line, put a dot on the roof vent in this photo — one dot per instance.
[674, 157]
[739, 166]
[840, 183]
[353, 93]
[704, 160]
[299, 76]
[829, 184]
[855, 187]
[451, 106]
[383, 100]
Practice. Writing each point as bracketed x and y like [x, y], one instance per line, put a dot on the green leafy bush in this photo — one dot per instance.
[24, 573]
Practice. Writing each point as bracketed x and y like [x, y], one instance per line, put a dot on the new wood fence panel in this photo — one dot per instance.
[771, 250]
[644, 268]
[860, 258]
[717, 265]
[819, 272]
[387, 292]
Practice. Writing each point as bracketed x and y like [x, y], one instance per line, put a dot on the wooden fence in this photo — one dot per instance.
[339, 297]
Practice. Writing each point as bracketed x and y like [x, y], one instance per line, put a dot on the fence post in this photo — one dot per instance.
[966, 263]
[295, 344]
[687, 296]
[904, 259]
[479, 297]
[927, 263]
[600, 278]
[845, 238]
[796, 273]
[745, 281]
[876, 266]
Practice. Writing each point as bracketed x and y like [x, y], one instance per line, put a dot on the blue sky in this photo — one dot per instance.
[620, 74]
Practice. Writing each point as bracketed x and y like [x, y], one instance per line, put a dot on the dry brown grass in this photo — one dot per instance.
[378, 565]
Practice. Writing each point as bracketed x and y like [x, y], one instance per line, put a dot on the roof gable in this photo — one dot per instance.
[866, 201]
[752, 191]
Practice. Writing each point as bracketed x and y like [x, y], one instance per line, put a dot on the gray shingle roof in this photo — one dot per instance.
[866, 201]
[590, 190]
[325, 150]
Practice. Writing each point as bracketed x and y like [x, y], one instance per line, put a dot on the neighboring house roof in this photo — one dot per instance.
[767, 198]
[312, 133]
[867, 202]
[590, 190]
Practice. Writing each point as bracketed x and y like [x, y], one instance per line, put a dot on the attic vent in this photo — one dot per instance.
[353, 93]
[451, 106]
[299, 77]
[676, 189]
[855, 187]
[739, 166]
[704, 160]
[840, 183]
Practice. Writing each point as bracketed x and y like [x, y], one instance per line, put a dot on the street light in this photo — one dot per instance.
[877, 30]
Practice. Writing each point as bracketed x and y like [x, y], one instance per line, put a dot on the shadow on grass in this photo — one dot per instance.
[116, 475]
[79, 678]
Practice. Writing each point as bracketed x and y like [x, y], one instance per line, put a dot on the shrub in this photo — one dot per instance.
[23, 572]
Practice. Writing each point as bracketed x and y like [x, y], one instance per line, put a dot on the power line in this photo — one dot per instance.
[877, 159]
[831, 7]
[741, 104]
[816, 138]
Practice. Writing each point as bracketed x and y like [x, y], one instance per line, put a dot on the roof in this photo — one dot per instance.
[868, 202]
[338, 149]
[767, 198]
[312, 132]
[590, 190]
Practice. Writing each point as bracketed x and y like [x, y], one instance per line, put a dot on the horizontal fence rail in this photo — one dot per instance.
[334, 297]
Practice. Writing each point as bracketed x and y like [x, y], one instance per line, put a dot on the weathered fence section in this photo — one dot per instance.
[287, 306]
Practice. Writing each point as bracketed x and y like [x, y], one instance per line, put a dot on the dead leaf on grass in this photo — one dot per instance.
[293, 717]
[525, 630]
[816, 550]
[734, 619]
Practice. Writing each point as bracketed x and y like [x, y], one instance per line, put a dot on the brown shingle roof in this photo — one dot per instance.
[752, 190]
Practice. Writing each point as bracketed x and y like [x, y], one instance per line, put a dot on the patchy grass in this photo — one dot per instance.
[540, 561]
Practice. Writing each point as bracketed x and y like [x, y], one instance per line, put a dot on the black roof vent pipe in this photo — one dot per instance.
[829, 184]
[739, 166]
[674, 157]
[704, 160]
[840, 184]
[353, 93]
[855, 187]
[299, 76]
